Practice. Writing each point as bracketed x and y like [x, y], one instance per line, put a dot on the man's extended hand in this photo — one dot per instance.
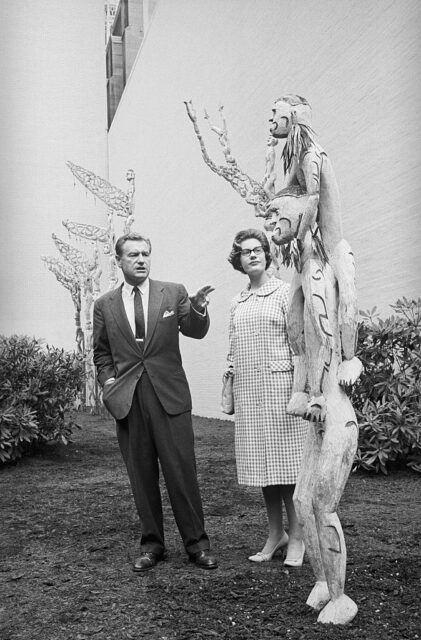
[201, 298]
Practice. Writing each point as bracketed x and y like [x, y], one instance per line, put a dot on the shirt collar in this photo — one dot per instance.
[143, 288]
[266, 289]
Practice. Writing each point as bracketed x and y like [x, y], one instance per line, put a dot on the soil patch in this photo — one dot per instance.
[70, 532]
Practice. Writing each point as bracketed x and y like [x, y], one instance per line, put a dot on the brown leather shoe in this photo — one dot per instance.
[203, 559]
[147, 560]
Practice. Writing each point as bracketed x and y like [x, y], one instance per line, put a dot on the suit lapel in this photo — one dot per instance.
[120, 316]
[156, 297]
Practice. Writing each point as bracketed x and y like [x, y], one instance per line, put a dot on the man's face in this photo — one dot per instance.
[135, 261]
[280, 122]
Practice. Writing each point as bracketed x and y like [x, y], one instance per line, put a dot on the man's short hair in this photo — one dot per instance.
[133, 235]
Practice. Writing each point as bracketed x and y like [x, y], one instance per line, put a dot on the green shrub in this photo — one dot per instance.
[38, 387]
[387, 397]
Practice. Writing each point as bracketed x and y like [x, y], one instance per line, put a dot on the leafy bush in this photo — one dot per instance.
[387, 397]
[38, 386]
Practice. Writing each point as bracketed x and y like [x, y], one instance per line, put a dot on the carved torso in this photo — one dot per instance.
[314, 173]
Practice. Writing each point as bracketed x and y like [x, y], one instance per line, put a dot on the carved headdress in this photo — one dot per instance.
[301, 135]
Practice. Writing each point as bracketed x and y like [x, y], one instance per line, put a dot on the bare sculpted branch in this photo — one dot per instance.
[248, 188]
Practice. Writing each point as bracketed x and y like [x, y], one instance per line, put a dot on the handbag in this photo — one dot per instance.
[227, 398]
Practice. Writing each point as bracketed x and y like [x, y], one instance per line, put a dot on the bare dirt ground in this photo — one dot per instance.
[69, 533]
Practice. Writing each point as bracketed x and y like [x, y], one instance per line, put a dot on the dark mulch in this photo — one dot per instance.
[69, 534]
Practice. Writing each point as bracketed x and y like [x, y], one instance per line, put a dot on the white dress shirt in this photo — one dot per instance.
[128, 301]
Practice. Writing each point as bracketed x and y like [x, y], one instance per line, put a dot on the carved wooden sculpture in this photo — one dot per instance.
[84, 273]
[88, 271]
[68, 277]
[98, 234]
[331, 444]
[120, 202]
[304, 220]
[307, 165]
[117, 202]
[247, 187]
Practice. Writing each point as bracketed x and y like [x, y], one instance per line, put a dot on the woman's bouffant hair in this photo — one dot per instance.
[234, 257]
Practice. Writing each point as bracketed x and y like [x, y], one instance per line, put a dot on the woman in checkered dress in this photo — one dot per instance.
[268, 442]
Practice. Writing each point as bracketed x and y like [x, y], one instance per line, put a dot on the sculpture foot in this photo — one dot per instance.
[319, 596]
[316, 409]
[349, 371]
[297, 404]
[340, 611]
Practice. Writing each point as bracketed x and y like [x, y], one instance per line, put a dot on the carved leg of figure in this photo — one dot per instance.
[318, 335]
[343, 266]
[295, 318]
[299, 397]
[303, 501]
[336, 458]
[295, 327]
[318, 365]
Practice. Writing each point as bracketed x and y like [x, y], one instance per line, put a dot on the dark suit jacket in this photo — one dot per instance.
[116, 353]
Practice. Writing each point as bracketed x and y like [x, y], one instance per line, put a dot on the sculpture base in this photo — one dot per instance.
[319, 596]
[340, 611]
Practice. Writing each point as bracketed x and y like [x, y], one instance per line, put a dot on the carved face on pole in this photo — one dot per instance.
[286, 211]
[287, 112]
[281, 120]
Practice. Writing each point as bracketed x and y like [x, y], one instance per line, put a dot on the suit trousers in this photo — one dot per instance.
[149, 434]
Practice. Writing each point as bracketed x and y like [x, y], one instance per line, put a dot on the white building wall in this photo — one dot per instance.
[53, 109]
[357, 63]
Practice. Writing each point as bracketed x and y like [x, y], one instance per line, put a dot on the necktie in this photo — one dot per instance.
[139, 316]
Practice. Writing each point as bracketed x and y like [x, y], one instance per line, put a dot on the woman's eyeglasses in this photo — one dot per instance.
[256, 250]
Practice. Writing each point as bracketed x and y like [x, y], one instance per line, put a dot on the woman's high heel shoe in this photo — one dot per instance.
[295, 561]
[266, 557]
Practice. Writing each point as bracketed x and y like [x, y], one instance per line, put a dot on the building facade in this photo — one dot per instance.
[126, 32]
[354, 61]
[53, 108]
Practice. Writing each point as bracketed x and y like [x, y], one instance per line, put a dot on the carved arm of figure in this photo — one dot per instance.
[310, 168]
[270, 176]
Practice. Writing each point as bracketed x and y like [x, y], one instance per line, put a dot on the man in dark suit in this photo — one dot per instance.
[137, 355]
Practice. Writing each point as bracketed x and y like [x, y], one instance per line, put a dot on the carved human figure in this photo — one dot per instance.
[128, 211]
[331, 443]
[80, 336]
[307, 166]
[90, 400]
[95, 272]
[109, 250]
[305, 222]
